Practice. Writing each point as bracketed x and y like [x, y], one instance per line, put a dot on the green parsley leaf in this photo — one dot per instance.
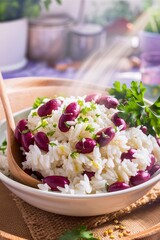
[80, 102]
[48, 116]
[81, 119]
[67, 125]
[34, 114]
[85, 110]
[133, 108]
[38, 102]
[52, 144]
[74, 155]
[137, 91]
[25, 131]
[119, 91]
[78, 234]
[50, 134]
[93, 106]
[90, 128]
[155, 107]
[43, 124]
[94, 136]
[3, 146]
[132, 112]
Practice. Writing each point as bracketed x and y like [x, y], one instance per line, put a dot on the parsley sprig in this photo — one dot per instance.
[3, 147]
[74, 155]
[133, 108]
[89, 128]
[78, 234]
[38, 101]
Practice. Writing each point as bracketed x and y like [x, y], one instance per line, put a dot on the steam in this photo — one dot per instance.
[100, 67]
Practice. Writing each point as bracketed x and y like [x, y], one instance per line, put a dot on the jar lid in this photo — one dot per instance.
[87, 29]
[52, 20]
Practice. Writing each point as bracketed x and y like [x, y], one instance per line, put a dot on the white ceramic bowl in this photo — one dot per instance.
[74, 205]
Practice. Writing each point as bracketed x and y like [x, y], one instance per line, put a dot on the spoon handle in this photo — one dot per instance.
[146, 233]
[6, 104]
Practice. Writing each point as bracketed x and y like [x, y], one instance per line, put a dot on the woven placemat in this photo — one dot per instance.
[49, 226]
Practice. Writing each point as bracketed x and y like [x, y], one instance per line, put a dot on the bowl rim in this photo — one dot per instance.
[23, 187]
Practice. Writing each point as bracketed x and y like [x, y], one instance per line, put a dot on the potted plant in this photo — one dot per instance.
[150, 37]
[14, 30]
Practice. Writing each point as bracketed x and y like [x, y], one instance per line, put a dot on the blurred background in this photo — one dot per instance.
[91, 40]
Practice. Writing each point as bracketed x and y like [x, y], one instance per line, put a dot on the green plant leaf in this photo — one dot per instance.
[15, 9]
[134, 110]
[47, 3]
[78, 233]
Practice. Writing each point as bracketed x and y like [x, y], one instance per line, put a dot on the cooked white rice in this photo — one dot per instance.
[105, 162]
[4, 168]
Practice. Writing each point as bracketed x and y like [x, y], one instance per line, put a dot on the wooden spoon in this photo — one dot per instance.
[146, 233]
[13, 149]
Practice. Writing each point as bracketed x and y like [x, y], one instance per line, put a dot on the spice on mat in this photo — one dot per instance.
[119, 229]
[112, 237]
[116, 221]
[110, 231]
[122, 227]
[120, 235]
[105, 233]
[125, 233]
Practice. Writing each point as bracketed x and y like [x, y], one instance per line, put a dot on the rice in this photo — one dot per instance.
[62, 158]
[4, 168]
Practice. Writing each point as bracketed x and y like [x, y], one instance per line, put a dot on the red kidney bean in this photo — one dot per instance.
[73, 109]
[37, 174]
[114, 117]
[28, 171]
[92, 97]
[104, 136]
[119, 121]
[144, 129]
[27, 139]
[89, 174]
[141, 177]
[86, 145]
[62, 124]
[158, 141]
[154, 169]
[56, 181]
[151, 163]
[24, 159]
[42, 141]
[46, 108]
[118, 186]
[21, 126]
[129, 154]
[70, 114]
[108, 101]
